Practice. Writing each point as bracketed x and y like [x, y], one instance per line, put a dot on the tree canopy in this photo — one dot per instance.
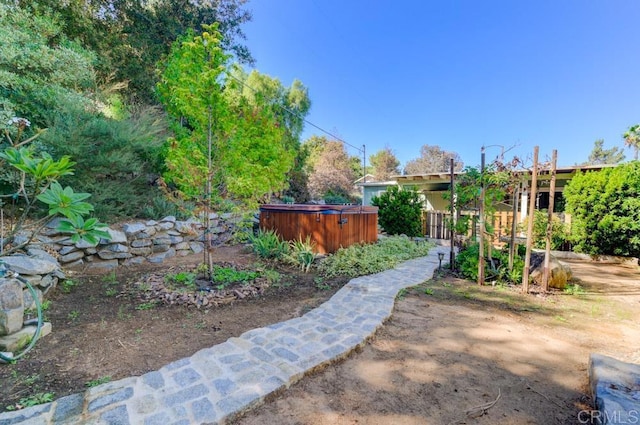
[433, 159]
[330, 167]
[384, 164]
[252, 148]
[632, 139]
[599, 155]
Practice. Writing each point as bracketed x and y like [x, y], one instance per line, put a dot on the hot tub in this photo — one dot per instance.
[330, 226]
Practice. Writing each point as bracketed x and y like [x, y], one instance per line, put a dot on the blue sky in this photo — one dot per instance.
[459, 74]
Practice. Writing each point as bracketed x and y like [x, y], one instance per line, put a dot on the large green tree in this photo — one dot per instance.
[132, 36]
[605, 210]
[242, 136]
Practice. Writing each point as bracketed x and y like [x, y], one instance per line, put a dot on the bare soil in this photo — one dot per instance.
[452, 353]
[456, 353]
[106, 327]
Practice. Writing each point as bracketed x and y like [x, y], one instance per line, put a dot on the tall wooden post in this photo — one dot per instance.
[512, 241]
[547, 252]
[532, 211]
[481, 223]
[453, 209]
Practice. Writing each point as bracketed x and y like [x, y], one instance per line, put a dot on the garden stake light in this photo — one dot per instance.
[440, 258]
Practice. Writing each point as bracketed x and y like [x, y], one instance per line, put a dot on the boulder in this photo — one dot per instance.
[11, 306]
[23, 264]
[559, 274]
[116, 237]
[41, 254]
[131, 229]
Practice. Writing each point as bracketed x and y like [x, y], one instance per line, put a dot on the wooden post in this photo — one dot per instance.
[512, 242]
[452, 255]
[532, 211]
[547, 252]
[481, 223]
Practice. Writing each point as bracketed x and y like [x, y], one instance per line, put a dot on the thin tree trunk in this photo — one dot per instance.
[547, 252]
[532, 211]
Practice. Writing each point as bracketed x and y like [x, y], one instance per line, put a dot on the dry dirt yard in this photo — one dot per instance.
[456, 353]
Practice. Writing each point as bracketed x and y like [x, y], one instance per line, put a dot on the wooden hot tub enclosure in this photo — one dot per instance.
[330, 226]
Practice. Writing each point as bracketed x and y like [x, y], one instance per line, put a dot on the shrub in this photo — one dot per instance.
[301, 253]
[399, 211]
[361, 259]
[497, 269]
[559, 233]
[267, 244]
[605, 210]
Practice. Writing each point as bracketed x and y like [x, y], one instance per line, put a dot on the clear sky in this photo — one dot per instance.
[459, 74]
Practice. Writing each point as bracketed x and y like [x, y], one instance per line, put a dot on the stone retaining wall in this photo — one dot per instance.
[130, 244]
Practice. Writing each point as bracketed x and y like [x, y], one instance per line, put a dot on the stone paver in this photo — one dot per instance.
[217, 383]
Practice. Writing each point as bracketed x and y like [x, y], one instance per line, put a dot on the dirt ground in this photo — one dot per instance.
[104, 328]
[456, 353]
[452, 353]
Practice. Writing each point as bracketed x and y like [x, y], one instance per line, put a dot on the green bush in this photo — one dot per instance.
[399, 211]
[559, 233]
[361, 259]
[301, 253]
[496, 269]
[605, 210]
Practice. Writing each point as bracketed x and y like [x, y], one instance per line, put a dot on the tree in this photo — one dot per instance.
[234, 141]
[605, 210]
[433, 160]
[385, 164]
[632, 139]
[399, 211]
[599, 155]
[331, 168]
[132, 36]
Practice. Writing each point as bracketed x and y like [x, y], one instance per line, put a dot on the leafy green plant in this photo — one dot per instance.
[574, 290]
[301, 253]
[428, 291]
[497, 269]
[98, 381]
[32, 400]
[228, 275]
[182, 280]
[321, 285]
[150, 305]
[68, 285]
[559, 232]
[268, 245]
[273, 277]
[399, 211]
[73, 315]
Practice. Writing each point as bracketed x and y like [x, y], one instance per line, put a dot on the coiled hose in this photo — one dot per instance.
[10, 357]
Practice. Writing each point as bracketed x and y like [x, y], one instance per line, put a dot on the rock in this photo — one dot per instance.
[140, 251]
[169, 218]
[165, 225]
[161, 248]
[73, 256]
[139, 243]
[17, 341]
[116, 237]
[11, 306]
[41, 254]
[196, 247]
[82, 244]
[102, 266]
[182, 246]
[161, 256]
[108, 254]
[176, 239]
[75, 265]
[185, 228]
[67, 249]
[134, 261]
[23, 264]
[131, 229]
[162, 240]
[615, 389]
[559, 274]
[28, 301]
[151, 223]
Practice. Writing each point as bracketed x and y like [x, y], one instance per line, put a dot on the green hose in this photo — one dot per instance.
[12, 358]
